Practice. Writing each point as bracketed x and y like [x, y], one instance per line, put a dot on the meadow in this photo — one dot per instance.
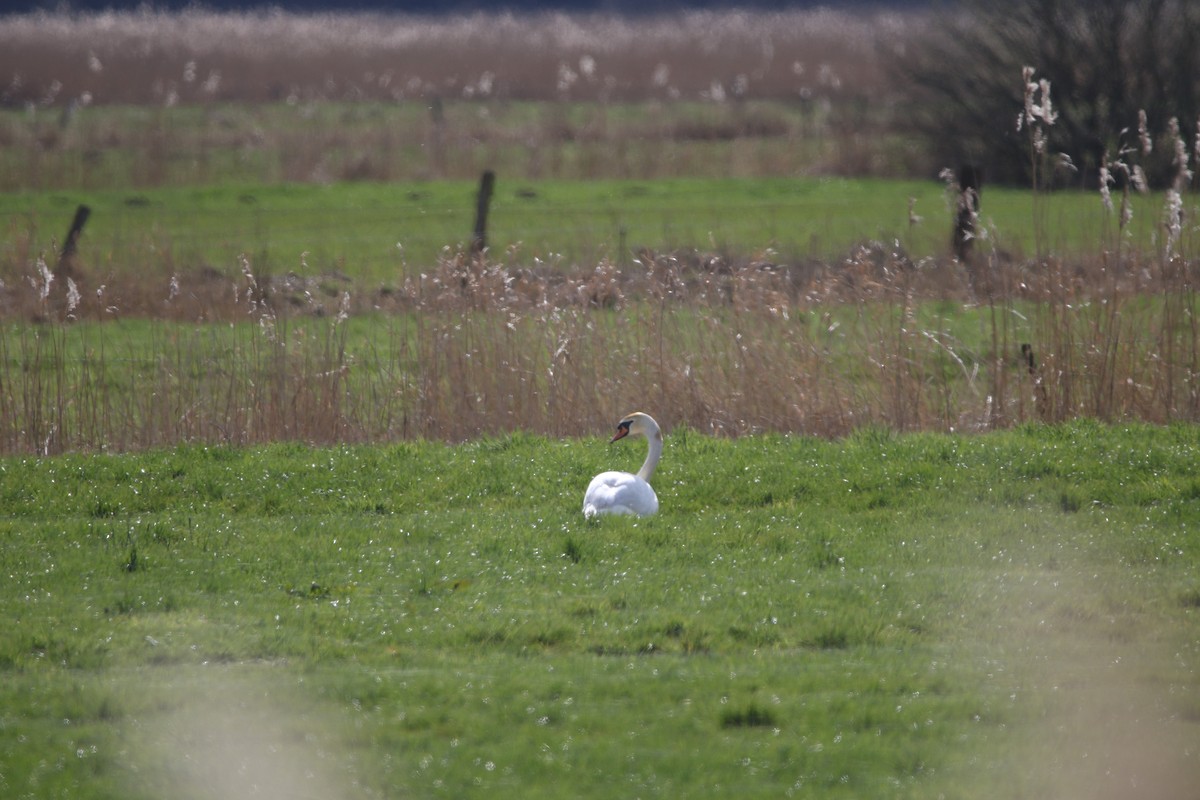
[382, 233]
[357, 312]
[1006, 615]
[725, 342]
[290, 478]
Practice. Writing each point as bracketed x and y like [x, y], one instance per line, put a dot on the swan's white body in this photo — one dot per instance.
[622, 492]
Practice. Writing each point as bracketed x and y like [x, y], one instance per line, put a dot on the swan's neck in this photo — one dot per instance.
[656, 445]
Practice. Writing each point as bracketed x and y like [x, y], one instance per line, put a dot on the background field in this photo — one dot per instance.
[382, 233]
[1007, 615]
[315, 94]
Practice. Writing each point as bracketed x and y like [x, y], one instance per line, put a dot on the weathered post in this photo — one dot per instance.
[970, 183]
[482, 202]
[66, 256]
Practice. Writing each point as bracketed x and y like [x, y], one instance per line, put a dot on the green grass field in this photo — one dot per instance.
[1002, 616]
[375, 233]
[235, 562]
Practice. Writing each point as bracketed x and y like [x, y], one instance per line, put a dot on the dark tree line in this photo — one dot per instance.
[1106, 60]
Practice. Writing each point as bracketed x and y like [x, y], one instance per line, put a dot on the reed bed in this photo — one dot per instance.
[717, 344]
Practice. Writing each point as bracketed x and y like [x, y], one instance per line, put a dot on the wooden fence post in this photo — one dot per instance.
[482, 202]
[970, 183]
[66, 256]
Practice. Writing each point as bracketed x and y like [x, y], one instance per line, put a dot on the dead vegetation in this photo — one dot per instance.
[474, 347]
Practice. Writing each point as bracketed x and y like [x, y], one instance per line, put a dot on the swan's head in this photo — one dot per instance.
[635, 424]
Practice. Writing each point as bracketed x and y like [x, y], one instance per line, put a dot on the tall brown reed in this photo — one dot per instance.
[724, 345]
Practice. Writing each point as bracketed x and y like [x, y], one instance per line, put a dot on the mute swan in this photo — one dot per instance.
[621, 492]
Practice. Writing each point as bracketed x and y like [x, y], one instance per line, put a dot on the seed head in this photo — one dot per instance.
[47, 278]
[1138, 177]
[1173, 221]
[1038, 108]
[1183, 175]
[73, 296]
[1196, 146]
[1106, 182]
[1144, 134]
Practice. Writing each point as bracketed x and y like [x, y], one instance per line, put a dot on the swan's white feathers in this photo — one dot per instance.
[622, 492]
[619, 493]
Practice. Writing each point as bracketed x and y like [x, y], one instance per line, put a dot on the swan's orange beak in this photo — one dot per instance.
[622, 432]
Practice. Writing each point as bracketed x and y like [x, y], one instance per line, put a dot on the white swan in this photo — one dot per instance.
[621, 492]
